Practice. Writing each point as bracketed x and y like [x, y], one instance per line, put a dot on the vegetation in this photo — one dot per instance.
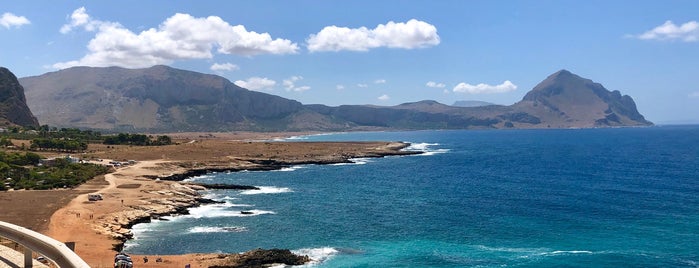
[75, 140]
[137, 139]
[63, 145]
[27, 170]
[22, 171]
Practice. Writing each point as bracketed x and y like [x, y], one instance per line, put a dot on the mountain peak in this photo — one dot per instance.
[574, 98]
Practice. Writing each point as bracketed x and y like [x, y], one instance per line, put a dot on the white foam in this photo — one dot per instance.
[268, 190]
[291, 168]
[354, 161]
[317, 255]
[434, 152]
[223, 210]
[217, 229]
[425, 148]
[565, 252]
[420, 146]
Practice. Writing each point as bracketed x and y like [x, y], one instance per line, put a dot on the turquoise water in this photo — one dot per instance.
[521, 198]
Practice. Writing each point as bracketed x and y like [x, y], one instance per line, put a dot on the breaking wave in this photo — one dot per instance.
[267, 190]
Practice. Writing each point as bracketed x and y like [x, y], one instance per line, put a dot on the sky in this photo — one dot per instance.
[376, 52]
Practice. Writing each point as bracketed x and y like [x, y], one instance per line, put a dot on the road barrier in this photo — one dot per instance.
[32, 241]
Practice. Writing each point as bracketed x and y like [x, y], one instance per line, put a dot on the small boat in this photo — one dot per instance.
[246, 212]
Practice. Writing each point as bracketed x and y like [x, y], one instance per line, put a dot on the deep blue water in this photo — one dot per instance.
[521, 198]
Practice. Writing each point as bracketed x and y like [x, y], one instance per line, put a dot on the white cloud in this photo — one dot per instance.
[256, 83]
[340, 87]
[506, 86]
[180, 36]
[224, 67]
[687, 32]
[9, 20]
[380, 81]
[80, 18]
[435, 84]
[384, 97]
[409, 35]
[290, 84]
[694, 94]
[363, 85]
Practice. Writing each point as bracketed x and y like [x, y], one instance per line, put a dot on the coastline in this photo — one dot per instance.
[153, 188]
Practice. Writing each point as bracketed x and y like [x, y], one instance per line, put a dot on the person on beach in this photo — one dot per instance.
[145, 259]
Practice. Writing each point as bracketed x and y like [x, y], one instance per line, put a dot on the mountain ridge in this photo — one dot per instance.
[165, 99]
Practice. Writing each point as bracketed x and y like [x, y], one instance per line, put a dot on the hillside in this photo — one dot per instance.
[164, 99]
[13, 105]
[567, 100]
[159, 98]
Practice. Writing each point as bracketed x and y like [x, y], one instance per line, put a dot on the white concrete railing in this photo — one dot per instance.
[52, 249]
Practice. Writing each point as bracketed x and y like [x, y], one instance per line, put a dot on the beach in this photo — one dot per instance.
[135, 193]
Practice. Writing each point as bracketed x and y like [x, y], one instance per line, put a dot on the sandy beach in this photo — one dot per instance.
[131, 195]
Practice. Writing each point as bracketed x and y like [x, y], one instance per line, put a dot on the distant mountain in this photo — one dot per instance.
[471, 103]
[159, 98]
[164, 99]
[567, 100]
[13, 105]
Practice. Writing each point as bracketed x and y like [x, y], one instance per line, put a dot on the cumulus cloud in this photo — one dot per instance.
[9, 20]
[687, 32]
[406, 35]
[384, 97]
[80, 18]
[224, 67]
[256, 83]
[433, 84]
[363, 85]
[506, 86]
[290, 84]
[179, 37]
[380, 81]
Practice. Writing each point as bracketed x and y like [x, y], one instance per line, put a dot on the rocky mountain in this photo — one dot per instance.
[159, 98]
[164, 99]
[567, 100]
[13, 105]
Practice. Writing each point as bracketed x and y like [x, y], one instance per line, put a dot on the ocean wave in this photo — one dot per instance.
[527, 253]
[267, 190]
[354, 161]
[222, 211]
[317, 255]
[291, 168]
[217, 229]
[426, 148]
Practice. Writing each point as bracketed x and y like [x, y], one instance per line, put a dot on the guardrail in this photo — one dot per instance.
[52, 249]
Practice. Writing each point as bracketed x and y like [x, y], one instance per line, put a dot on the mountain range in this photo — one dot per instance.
[165, 99]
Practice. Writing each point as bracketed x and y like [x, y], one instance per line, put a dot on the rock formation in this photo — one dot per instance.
[13, 105]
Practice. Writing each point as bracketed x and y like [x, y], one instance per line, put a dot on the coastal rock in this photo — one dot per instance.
[261, 258]
[176, 200]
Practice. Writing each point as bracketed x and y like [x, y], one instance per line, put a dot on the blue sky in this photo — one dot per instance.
[377, 52]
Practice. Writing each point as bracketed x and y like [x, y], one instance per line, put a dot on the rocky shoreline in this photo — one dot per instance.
[179, 197]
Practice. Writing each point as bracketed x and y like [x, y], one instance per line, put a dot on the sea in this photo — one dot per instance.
[614, 197]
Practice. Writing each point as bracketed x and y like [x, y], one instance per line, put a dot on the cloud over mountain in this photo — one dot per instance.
[256, 83]
[179, 37]
[406, 35]
[506, 86]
